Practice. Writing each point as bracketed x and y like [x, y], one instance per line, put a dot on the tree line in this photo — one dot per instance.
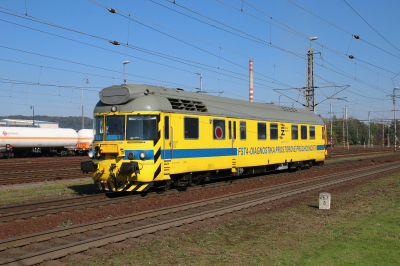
[358, 131]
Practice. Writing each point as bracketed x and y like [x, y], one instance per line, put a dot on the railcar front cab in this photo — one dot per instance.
[127, 149]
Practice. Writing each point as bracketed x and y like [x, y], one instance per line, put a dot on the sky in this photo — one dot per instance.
[49, 49]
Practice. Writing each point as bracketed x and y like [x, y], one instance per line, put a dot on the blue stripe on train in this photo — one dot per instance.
[198, 153]
[189, 153]
[320, 147]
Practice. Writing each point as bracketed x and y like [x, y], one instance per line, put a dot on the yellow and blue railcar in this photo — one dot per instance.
[148, 136]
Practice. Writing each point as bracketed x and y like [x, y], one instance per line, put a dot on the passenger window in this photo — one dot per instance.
[295, 132]
[312, 132]
[303, 132]
[219, 128]
[262, 131]
[242, 130]
[191, 127]
[273, 131]
[323, 133]
[230, 129]
[234, 129]
[166, 127]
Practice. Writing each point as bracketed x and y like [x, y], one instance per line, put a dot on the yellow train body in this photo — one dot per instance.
[199, 143]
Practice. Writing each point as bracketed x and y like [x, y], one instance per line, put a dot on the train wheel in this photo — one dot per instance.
[162, 189]
[195, 180]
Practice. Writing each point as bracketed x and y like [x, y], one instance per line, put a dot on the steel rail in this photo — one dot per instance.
[42, 178]
[10, 175]
[23, 211]
[189, 217]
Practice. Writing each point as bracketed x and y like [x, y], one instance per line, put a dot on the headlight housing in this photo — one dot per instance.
[131, 156]
[91, 154]
[142, 155]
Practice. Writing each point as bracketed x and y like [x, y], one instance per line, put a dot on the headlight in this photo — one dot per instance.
[142, 155]
[131, 156]
[114, 108]
[91, 154]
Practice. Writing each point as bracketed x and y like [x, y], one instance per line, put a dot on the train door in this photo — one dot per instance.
[167, 144]
[232, 138]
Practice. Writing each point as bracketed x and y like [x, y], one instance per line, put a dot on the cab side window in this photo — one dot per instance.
[323, 133]
[230, 129]
[191, 127]
[312, 132]
[303, 132]
[166, 127]
[262, 131]
[234, 129]
[243, 130]
[295, 132]
[273, 131]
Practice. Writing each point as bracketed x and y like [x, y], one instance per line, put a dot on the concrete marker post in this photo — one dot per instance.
[324, 201]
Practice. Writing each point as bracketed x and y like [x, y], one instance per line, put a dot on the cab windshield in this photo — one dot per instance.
[142, 127]
[115, 127]
[98, 126]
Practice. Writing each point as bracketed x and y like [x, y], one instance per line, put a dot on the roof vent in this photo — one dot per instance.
[187, 105]
[289, 109]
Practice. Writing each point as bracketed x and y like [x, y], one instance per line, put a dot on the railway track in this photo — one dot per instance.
[37, 171]
[33, 165]
[333, 156]
[90, 239]
[50, 169]
[40, 176]
[37, 209]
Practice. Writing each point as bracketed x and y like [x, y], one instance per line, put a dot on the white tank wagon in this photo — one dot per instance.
[85, 140]
[25, 141]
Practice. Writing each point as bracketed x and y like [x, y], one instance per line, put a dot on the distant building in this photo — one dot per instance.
[27, 123]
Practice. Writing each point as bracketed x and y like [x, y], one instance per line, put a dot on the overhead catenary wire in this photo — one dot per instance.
[154, 53]
[362, 39]
[241, 31]
[365, 83]
[371, 26]
[344, 55]
[206, 69]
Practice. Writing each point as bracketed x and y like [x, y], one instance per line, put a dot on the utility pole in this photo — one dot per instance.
[83, 119]
[344, 139]
[309, 92]
[394, 105]
[359, 143]
[331, 127]
[201, 81]
[33, 117]
[383, 131]
[347, 131]
[369, 129]
[251, 81]
[395, 122]
[388, 138]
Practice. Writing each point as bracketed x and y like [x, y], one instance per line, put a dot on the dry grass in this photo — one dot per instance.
[43, 191]
[362, 228]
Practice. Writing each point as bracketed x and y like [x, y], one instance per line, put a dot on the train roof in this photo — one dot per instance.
[136, 97]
